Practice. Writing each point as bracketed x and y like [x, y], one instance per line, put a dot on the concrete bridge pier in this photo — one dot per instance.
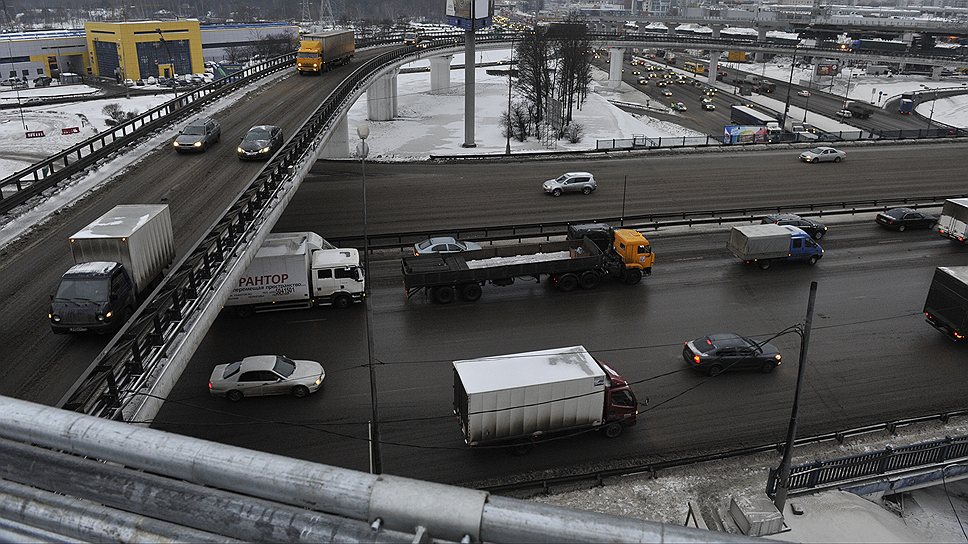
[440, 73]
[936, 72]
[379, 98]
[393, 92]
[714, 56]
[671, 28]
[760, 37]
[616, 58]
[338, 146]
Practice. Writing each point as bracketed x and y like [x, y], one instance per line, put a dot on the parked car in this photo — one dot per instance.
[198, 136]
[260, 142]
[42, 81]
[443, 244]
[140, 83]
[129, 83]
[901, 219]
[845, 114]
[717, 353]
[815, 229]
[803, 92]
[151, 80]
[571, 182]
[823, 154]
[262, 375]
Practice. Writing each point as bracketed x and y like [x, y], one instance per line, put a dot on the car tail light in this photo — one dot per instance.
[696, 359]
[209, 385]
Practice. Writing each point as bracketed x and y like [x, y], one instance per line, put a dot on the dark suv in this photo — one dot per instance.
[815, 229]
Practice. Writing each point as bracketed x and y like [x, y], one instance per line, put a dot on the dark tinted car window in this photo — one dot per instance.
[194, 130]
[257, 134]
[284, 366]
[622, 398]
[232, 369]
[896, 213]
[704, 345]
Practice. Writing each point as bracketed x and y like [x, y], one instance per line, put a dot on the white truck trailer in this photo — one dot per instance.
[953, 222]
[519, 398]
[117, 259]
[298, 270]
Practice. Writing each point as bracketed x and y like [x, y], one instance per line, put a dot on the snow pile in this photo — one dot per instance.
[518, 259]
[13, 96]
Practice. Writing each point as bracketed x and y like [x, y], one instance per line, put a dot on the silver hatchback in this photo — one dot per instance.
[571, 182]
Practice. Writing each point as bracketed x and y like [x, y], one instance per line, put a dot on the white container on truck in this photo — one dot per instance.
[946, 307]
[523, 397]
[298, 270]
[764, 244]
[953, 222]
[118, 258]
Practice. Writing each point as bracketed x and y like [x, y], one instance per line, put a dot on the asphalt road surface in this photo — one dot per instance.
[872, 358]
[40, 366]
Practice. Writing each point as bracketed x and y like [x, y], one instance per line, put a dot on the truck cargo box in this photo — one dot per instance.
[279, 271]
[953, 221]
[768, 241]
[946, 306]
[512, 396]
[139, 236]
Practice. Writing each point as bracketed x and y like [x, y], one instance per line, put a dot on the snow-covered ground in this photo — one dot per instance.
[10, 96]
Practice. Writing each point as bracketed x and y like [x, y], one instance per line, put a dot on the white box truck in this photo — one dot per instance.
[298, 270]
[117, 259]
[953, 222]
[764, 244]
[519, 398]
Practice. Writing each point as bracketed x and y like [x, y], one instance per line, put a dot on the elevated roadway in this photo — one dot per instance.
[872, 356]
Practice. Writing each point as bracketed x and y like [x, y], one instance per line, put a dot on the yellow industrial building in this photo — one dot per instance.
[136, 50]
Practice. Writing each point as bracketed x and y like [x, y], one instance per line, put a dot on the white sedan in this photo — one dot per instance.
[823, 154]
[261, 375]
[803, 92]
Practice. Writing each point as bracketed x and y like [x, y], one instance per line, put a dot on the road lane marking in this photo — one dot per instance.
[690, 259]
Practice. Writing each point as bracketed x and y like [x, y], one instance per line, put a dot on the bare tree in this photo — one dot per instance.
[534, 75]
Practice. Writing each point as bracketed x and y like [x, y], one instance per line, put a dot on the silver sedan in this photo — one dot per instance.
[823, 154]
[443, 244]
[262, 375]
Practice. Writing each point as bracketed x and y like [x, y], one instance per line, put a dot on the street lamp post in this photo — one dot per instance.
[507, 148]
[171, 62]
[786, 107]
[806, 107]
[376, 460]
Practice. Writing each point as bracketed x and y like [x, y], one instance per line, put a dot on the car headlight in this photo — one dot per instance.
[319, 380]
[108, 315]
[54, 317]
[100, 317]
[240, 150]
[197, 144]
[176, 144]
[264, 150]
[777, 357]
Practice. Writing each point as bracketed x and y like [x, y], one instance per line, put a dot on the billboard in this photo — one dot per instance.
[828, 69]
[470, 14]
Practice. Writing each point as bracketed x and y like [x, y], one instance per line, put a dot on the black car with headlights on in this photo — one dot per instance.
[717, 353]
[260, 142]
[901, 219]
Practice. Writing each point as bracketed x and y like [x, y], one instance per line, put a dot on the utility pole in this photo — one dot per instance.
[786, 108]
[783, 477]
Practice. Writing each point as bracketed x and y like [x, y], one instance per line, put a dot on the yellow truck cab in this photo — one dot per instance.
[634, 249]
[309, 58]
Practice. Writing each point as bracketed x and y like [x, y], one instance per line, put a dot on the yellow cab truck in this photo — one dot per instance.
[319, 53]
[589, 254]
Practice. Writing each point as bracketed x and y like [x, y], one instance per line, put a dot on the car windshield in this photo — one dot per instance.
[562, 178]
[752, 343]
[194, 130]
[704, 345]
[231, 369]
[817, 150]
[897, 213]
[83, 289]
[284, 366]
[257, 134]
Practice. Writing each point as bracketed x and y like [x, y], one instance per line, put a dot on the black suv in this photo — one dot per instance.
[815, 229]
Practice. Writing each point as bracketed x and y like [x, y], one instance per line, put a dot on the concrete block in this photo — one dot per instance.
[755, 516]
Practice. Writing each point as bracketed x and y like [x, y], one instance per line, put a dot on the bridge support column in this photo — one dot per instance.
[440, 73]
[713, 65]
[760, 37]
[379, 99]
[393, 91]
[338, 146]
[908, 38]
[936, 72]
[616, 58]
[671, 28]
[470, 61]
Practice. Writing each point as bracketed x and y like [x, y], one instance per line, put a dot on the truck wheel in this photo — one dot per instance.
[300, 391]
[632, 276]
[568, 282]
[342, 301]
[715, 370]
[470, 292]
[612, 430]
[767, 367]
[444, 294]
[812, 260]
[556, 192]
[765, 265]
[589, 280]
[234, 395]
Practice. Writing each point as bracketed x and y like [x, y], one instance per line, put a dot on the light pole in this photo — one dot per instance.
[809, 92]
[376, 460]
[783, 476]
[507, 148]
[171, 62]
[786, 107]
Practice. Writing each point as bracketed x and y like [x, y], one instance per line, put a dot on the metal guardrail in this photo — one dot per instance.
[877, 463]
[45, 174]
[643, 222]
[124, 365]
[599, 477]
[643, 142]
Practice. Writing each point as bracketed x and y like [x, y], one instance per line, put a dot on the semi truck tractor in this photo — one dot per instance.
[953, 221]
[946, 307]
[319, 53]
[521, 398]
[298, 270]
[859, 109]
[568, 265]
[765, 244]
[117, 260]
